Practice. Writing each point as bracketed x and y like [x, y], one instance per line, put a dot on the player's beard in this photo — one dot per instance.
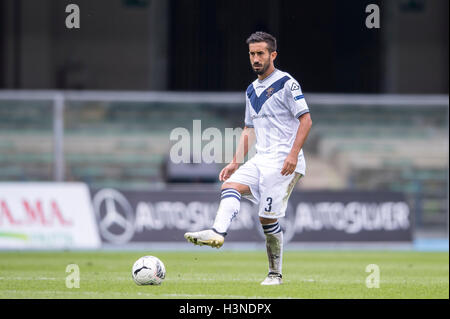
[262, 70]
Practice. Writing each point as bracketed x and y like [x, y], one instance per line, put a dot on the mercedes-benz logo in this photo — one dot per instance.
[115, 216]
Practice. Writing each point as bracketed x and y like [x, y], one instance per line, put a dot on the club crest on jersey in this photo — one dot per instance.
[269, 92]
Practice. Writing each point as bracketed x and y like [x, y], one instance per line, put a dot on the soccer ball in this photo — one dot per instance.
[148, 270]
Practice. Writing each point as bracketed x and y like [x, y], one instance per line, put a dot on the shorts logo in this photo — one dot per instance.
[295, 86]
[269, 92]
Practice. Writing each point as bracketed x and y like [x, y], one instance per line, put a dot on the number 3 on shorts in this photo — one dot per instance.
[269, 208]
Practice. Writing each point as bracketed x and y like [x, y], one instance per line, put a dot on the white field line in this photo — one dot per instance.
[77, 293]
[30, 278]
[130, 279]
[194, 280]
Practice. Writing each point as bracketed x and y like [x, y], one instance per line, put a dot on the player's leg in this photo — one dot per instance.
[274, 249]
[230, 204]
[242, 183]
[276, 190]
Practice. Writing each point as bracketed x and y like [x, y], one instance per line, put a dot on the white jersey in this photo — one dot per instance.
[273, 107]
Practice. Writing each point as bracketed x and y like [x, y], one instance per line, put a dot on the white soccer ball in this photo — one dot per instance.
[148, 270]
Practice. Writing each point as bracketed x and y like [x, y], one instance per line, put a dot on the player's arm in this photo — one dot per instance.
[302, 133]
[246, 141]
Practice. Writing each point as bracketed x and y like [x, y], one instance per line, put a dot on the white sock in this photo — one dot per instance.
[274, 246]
[230, 204]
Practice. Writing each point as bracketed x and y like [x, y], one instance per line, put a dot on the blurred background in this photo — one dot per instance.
[96, 104]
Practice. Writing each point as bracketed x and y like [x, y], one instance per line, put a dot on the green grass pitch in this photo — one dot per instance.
[227, 274]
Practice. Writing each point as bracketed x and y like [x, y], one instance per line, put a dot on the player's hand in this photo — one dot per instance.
[226, 172]
[290, 163]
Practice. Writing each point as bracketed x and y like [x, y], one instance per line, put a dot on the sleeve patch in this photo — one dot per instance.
[298, 97]
[295, 86]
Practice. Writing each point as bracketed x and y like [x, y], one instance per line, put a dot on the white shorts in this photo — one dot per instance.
[268, 187]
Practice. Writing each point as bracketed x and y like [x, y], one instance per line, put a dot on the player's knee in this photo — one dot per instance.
[227, 185]
[266, 221]
[239, 187]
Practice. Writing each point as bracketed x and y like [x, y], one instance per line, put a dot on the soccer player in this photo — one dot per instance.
[277, 117]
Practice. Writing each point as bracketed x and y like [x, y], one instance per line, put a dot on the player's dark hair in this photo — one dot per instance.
[263, 37]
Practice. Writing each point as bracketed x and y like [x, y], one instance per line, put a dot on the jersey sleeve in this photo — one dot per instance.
[294, 99]
[248, 119]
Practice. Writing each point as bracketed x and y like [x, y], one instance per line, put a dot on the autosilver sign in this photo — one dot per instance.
[164, 216]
